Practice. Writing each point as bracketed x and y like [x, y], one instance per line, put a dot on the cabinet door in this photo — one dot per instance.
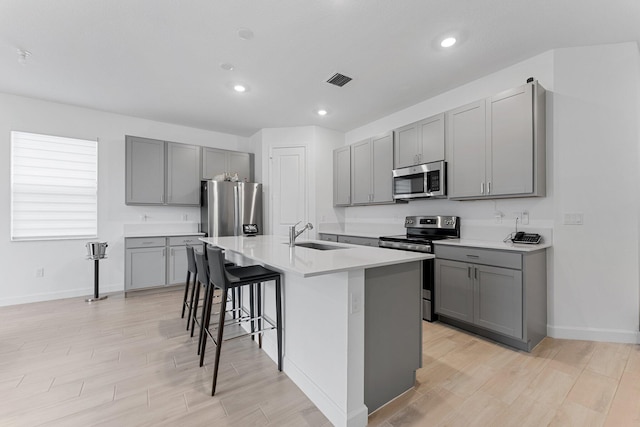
[183, 174]
[511, 139]
[214, 162]
[240, 163]
[342, 176]
[382, 167]
[454, 290]
[145, 268]
[431, 133]
[498, 299]
[361, 172]
[144, 171]
[466, 138]
[177, 265]
[406, 146]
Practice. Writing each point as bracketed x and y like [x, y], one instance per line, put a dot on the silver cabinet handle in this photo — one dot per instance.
[475, 272]
[469, 272]
[489, 187]
[472, 256]
[482, 188]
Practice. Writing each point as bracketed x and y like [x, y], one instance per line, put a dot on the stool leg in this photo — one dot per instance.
[193, 291]
[195, 306]
[251, 310]
[218, 344]
[206, 320]
[205, 308]
[279, 321]
[186, 292]
[259, 298]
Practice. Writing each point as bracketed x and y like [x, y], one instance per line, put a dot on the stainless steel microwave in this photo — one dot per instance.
[420, 181]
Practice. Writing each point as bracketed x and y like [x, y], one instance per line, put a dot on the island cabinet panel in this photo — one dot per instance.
[342, 176]
[499, 294]
[392, 331]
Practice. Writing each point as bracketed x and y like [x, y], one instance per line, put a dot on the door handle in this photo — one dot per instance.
[469, 272]
[482, 188]
[489, 187]
[475, 273]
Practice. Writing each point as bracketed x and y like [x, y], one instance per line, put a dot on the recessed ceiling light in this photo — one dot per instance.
[239, 88]
[227, 67]
[448, 42]
[245, 34]
[322, 112]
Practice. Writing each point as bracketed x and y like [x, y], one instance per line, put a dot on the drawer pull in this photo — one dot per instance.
[473, 256]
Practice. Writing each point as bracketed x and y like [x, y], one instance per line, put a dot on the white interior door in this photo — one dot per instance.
[288, 186]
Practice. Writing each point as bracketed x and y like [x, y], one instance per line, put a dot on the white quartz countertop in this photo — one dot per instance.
[515, 247]
[158, 234]
[274, 251]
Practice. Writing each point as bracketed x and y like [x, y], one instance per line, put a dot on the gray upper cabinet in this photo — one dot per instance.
[144, 171]
[161, 173]
[467, 143]
[216, 161]
[420, 142]
[371, 170]
[342, 176]
[506, 131]
[183, 174]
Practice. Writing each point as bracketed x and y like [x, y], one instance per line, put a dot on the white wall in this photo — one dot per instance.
[592, 168]
[67, 273]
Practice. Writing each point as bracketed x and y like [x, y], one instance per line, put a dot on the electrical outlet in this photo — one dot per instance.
[573, 219]
[525, 218]
[497, 215]
[185, 217]
[40, 272]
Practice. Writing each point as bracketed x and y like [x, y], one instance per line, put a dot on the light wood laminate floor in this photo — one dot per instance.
[130, 362]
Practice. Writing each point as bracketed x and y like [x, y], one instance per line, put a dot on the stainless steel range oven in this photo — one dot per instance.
[421, 232]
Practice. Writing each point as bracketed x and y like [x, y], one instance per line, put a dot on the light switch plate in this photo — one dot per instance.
[573, 219]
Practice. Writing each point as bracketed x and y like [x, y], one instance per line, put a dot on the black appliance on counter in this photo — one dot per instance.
[421, 232]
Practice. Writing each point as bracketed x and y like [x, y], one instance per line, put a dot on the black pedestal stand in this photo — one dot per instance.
[96, 278]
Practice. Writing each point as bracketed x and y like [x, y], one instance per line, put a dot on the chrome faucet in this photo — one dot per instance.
[293, 233]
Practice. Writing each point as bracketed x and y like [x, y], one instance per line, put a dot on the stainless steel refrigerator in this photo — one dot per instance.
[225, 207]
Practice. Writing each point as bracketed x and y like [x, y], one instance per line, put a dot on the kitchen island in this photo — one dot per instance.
[352, 320]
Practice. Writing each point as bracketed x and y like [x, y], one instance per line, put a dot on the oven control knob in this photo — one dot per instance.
[408, 221]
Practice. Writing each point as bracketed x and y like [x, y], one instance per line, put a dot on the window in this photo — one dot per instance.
[54, 187]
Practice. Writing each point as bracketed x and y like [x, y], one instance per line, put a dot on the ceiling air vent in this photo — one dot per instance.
[339, 79]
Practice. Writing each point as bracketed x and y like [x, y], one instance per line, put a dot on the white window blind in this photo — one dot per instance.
[54, 187]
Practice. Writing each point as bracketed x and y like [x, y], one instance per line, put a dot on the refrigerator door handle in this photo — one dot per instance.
[236, 211]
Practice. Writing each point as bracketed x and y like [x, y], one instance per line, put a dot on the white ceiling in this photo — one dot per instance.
[160, 59]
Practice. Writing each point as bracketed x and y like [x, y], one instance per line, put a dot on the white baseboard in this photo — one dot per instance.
[594, 334]
[49, 296]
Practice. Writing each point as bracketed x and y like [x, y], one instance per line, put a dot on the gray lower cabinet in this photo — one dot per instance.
[161, 172]
[498, 294]
[216, 161]
[152, 262]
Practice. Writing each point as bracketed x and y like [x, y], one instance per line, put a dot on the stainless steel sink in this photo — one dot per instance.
[319, 246]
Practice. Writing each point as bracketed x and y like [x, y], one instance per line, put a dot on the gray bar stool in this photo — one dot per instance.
[229, 279]
[191, 280]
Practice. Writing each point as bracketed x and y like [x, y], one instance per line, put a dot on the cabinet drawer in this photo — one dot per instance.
[354, 240]
[328, 237]
[480, 256]
[144, 242]
[184, 240]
